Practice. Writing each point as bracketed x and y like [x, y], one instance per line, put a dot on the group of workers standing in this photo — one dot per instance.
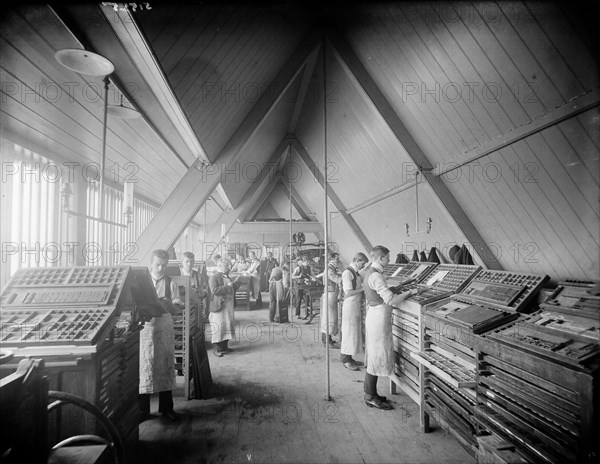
[360, 281]
[363, 278]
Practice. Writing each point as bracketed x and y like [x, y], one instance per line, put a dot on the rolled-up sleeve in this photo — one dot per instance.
[377, 283]
[333, 276]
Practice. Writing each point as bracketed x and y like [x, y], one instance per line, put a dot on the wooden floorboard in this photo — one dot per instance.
[268, 406]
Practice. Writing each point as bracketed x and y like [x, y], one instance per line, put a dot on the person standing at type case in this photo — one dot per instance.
[301, 272]
[332, 278]
[351, 312]
[157, 343]
[378, 326]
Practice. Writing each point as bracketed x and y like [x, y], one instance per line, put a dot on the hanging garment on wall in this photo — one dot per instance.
[401, 258]
[452, 253]
[433, 256]
[463, 256]
[423, 257]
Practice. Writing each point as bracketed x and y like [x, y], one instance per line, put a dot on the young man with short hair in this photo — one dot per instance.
[332, 279]
[221, 316]
[302, 271]
[378, 326]
[253, 271]
[351, 312]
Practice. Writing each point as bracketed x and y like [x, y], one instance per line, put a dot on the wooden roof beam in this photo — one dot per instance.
[199, 182]
[260, 201]
[309, 68]
[251, 197]
[331, 193]
[299, 202]
[367, 86]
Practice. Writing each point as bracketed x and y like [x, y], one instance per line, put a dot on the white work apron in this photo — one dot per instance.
[222, 324]
[157, 355]
[351, 330]
[378, 340]
[333, 312]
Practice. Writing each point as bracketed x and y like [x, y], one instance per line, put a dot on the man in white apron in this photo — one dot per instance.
[157, 344]
[378, 326]
[221, 318]
[351, 330]
[253, 271]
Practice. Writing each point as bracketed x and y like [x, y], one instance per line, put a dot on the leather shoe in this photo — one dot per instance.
[377, 403]
[352, 367]
[171, 415]
[383, 399]
[217, 353]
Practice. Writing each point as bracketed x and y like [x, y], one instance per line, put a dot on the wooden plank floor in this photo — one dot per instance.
[269, 407]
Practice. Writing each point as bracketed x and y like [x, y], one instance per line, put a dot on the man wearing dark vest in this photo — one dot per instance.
[302, 271]
[378, 326]
[157, 344]
[351, 330]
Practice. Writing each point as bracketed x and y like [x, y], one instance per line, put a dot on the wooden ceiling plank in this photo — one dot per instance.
[405, 70]
[555, 116]
[364, 81]
[227, 54]
[414, 34]
[185, 77]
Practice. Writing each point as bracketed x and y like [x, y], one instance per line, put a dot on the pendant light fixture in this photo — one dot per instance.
[84, 62]
[91, 64]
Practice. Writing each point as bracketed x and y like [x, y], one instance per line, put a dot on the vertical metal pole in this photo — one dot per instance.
[417, 201]
[291, 309]
[326, 220]
[204, 233]
[103, 161]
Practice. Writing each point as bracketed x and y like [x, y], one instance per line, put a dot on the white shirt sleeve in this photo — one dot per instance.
[377, 282]
[175, 296]
[347, 280]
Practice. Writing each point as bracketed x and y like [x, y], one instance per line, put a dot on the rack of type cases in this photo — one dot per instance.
[188, 326]
[434, 282]
[538, 377]
[448, 351]
[84, 322]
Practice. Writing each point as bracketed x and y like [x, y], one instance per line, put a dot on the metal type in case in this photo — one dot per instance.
[538, 376]
[450, 328]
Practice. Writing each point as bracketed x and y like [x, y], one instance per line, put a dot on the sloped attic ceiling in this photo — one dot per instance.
[499, 100]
